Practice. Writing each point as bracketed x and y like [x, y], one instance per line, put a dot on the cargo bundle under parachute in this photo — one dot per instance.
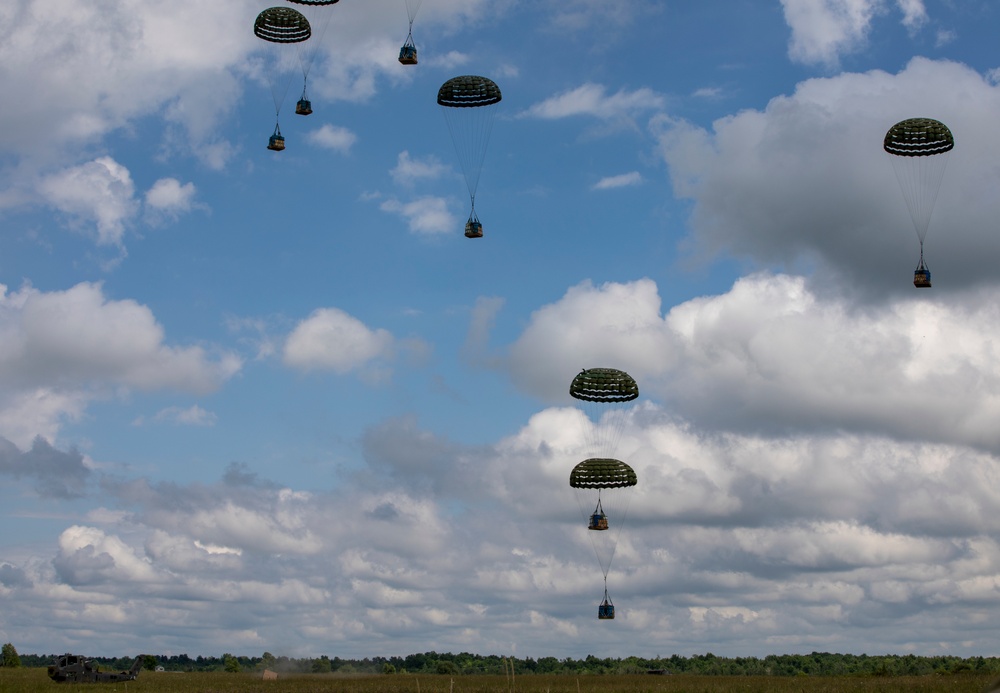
[318, 14]
[281, 29]
[469, 104]
[919, 149]
[602, 483]
[408, 52]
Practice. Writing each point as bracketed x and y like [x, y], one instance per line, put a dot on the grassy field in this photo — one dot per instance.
[26, 680]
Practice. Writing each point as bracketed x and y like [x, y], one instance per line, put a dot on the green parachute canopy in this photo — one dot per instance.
[919, 149]
[918, 137]
[603, 490]
[469, 91]
[601, 484]
[282, 25]
[283, 31]
[599, 472]
[604, 385]
[469, 103]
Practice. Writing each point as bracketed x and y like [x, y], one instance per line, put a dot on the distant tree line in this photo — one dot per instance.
[465, 663]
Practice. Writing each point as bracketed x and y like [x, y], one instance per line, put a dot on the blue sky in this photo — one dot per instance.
[273, 401]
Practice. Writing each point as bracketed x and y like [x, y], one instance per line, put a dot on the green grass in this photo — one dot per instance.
[25, 680]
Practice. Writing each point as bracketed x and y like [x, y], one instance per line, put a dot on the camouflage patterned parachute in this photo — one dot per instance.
[282, 29]
[603, 490]
[602, 485]
[919, 149]
[606, 396]
[282, 25]
[469, 104]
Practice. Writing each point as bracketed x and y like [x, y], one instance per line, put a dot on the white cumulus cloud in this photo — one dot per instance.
[408, 170]
[330, 339]
[61, 349]
[770, 350]
[170, 195]
[334, 137]
[823, 30]
[425, 216]
[805, 180]
[100, 192]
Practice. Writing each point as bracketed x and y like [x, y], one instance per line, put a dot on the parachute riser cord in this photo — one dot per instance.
[319, 16]
[412, 7]
[282, 29]
[920, 182]
[606, 396]
[918, 149]
[470, 136]
[603, 426]
[618, 532]
[605, 543]
[593, 542]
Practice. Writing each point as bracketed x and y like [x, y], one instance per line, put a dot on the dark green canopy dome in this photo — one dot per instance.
[469, 91]
[600, 472]
[604, 385]
[282, 25]
[918, 137]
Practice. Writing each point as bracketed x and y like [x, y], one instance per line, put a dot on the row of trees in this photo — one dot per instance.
[815, 664]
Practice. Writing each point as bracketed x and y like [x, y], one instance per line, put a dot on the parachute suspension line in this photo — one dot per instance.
[279, 89]
[471, 137]
[282, 29]
[919, 150]
[620, 414]
[412, 7]
[595, 543]
[319, 15]
[606, 610]
[598, 510]
[619, 524]
[605, 543]
[604, 426]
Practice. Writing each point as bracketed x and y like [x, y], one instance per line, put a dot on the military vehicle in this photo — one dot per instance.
[70, 668]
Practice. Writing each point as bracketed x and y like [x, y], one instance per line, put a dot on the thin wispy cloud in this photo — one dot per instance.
[622, 180]
[593, 100]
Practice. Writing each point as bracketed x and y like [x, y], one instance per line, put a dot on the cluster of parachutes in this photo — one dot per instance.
[919, 152]
[602, 484]
[468, 101]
